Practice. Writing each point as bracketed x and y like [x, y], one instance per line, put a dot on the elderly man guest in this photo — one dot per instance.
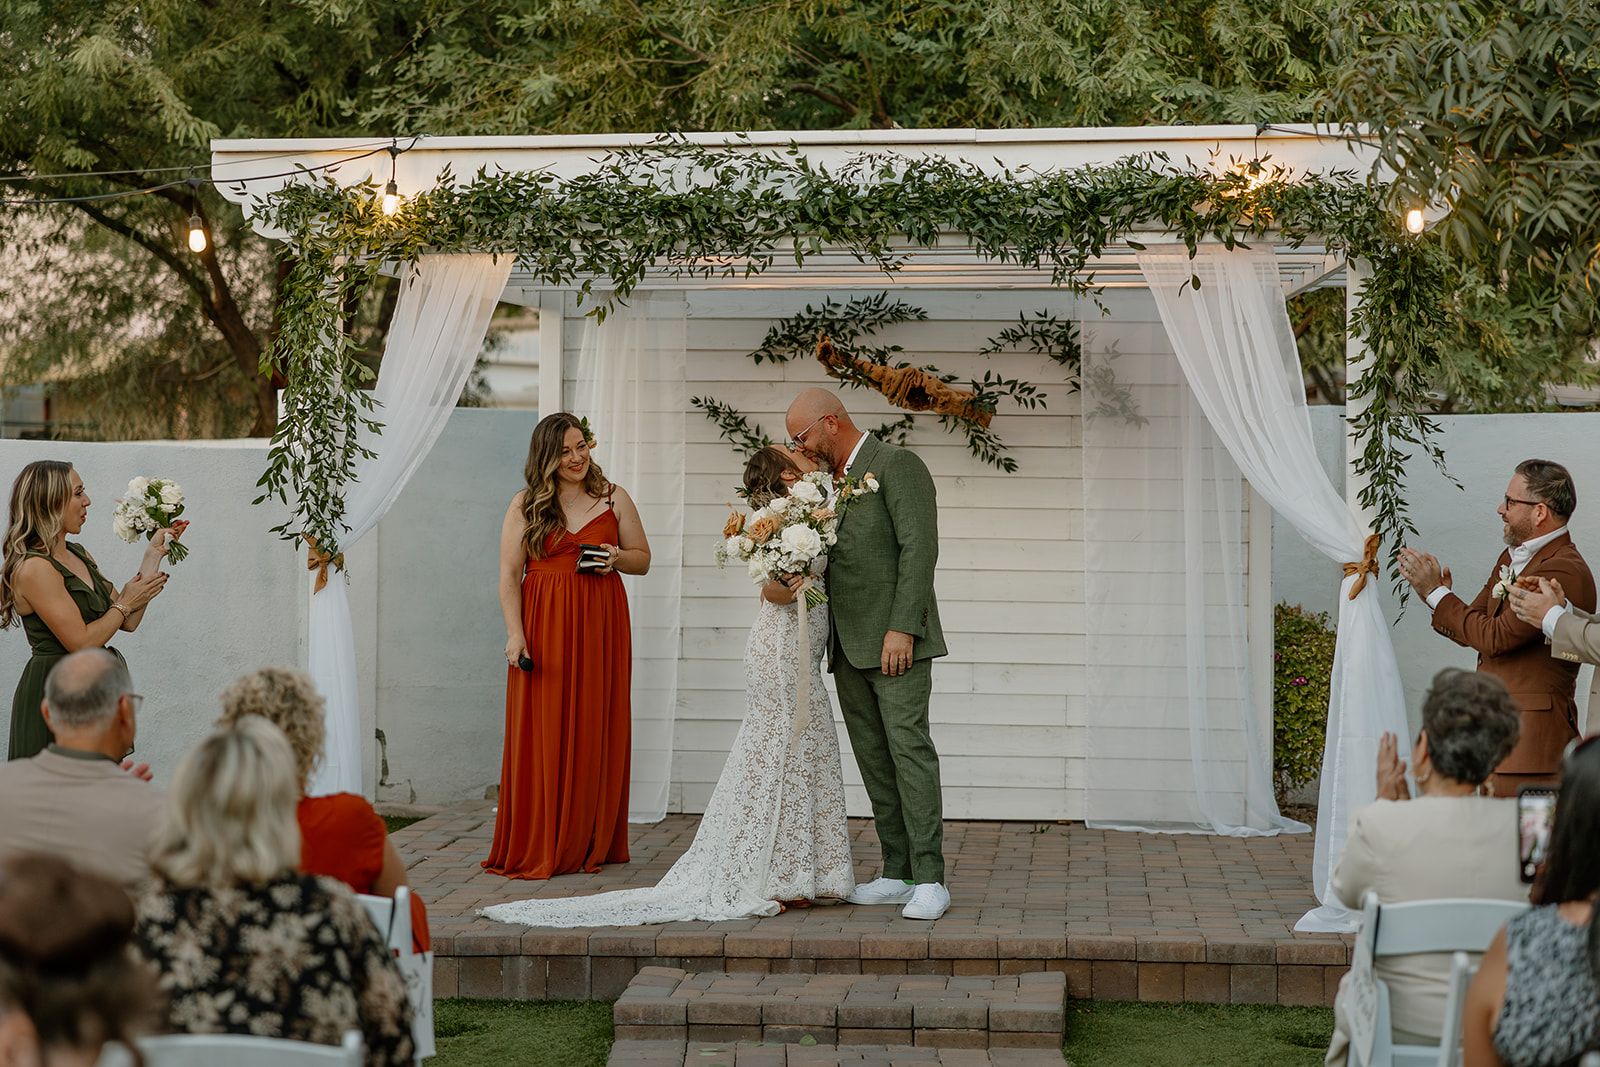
[1537, 505]
[885, 634]
[76, 799]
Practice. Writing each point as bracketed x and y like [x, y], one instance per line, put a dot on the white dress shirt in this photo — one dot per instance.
[845, 473]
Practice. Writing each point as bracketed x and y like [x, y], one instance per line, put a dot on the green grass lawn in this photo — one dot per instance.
[400, 822]
[542, 1033]
[1118, 1034]
[553, 1033]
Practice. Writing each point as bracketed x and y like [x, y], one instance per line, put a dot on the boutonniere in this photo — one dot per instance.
[848, 490]
[1508, 578]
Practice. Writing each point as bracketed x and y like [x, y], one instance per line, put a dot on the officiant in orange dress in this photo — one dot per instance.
[567, 539]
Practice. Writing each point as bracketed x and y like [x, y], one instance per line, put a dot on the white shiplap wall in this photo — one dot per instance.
[1007, 713]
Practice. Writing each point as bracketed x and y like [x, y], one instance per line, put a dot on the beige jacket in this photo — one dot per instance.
[1425, 849]
[81, 807]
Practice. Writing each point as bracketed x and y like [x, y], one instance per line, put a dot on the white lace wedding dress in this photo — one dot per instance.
[774, 828]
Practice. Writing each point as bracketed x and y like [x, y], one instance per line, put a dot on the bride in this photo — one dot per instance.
[774, 830]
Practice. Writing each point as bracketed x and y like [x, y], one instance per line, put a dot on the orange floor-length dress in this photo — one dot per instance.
[564, 776]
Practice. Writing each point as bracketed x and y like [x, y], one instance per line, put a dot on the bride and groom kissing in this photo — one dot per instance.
[774, 831]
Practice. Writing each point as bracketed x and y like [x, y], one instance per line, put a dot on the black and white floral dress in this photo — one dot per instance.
[296, 957]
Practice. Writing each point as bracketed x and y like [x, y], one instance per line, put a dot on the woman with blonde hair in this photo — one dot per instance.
[569, 660]
[284, 954]
[54, 587]
[341, 835]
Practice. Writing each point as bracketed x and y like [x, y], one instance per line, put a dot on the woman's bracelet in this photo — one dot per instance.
[125, 611]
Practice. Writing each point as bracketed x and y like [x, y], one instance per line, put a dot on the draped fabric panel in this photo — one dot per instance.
[1232, 337]
[1173, 741]
[434, 338]
[631, 383]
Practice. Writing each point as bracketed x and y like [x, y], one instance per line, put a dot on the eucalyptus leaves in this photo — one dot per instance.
[692, 211]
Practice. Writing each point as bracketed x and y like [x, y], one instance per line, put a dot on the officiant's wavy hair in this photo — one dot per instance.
[763, 475]
[541, 509]
[38, 498]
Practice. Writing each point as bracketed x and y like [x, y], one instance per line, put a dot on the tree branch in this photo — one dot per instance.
[826, 97]
[161, 252]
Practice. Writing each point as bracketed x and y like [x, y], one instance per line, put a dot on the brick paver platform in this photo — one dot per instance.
[752, 1054]
[1123, 916]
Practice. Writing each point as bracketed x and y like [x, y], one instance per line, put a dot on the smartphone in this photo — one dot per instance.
[592, 557]
[1536, 808]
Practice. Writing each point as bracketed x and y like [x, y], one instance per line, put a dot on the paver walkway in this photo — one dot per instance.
[1126, 916]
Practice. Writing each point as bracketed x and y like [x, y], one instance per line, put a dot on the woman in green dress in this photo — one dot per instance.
[54, 587]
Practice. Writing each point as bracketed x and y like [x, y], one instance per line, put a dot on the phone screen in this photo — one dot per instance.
[1536, 806]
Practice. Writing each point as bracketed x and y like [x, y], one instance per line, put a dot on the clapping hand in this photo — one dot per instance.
[1423, 571]
[140, 771]
[1391, 770]
[1533, 597]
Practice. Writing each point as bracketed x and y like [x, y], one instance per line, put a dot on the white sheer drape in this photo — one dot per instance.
[1173, 741]
[631, 383]
[1234, 342]
[434, 338]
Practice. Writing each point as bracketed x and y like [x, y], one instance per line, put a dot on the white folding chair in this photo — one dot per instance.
[236, 1050]
[1455, 1005]
[392, 916]
[1451, 925]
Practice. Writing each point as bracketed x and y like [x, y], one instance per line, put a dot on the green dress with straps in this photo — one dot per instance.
[29, 734]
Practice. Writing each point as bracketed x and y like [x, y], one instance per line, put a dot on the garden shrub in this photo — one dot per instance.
[1302, 666]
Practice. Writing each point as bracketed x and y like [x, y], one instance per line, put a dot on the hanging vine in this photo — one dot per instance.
[696, 211]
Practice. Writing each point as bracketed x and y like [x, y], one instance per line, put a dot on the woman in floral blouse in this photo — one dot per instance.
[243, 943]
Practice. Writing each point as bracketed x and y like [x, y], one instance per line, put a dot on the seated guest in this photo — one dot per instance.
[75, 799]
[1535, 1001]
[243, 943]
[1448, 842]
[340, 835]
[67, 981]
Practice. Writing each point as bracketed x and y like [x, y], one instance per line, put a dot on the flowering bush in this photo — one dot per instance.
[1302, 665]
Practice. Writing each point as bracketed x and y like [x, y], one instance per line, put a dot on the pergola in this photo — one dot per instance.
[247, 171]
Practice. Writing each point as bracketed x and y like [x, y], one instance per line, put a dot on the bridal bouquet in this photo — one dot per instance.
[791, 532]
[151, 504]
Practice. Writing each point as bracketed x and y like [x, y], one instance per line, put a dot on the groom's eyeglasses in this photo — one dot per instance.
[798, 441]
[1509, 500]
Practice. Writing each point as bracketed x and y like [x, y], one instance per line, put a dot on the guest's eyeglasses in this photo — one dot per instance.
[136, 699]
[798, 441]
[1527, 503]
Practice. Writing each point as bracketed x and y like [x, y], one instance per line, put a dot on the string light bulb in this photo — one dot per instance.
[391, 192]
[197, 234]
[1414, 221]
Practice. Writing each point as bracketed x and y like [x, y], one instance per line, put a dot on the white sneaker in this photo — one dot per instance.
[928, 901]
[881, 891]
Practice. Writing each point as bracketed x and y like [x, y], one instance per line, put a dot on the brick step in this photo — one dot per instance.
[1026, 1011]
[767, 1054]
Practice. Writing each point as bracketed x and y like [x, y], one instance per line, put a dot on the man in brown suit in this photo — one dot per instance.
[77, 799]
[1538, 503]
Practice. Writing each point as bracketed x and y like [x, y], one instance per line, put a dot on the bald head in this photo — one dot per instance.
[818, 423]
[83, 689]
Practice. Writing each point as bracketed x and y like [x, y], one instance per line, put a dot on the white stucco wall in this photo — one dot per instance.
[1458, 525]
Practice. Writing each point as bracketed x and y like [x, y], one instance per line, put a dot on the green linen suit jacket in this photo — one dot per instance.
[880, 574]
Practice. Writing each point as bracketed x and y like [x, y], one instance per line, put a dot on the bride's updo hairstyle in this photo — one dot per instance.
[763, 475]
[541, 509]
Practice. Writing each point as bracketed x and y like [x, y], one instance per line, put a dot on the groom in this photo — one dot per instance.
[885, 633]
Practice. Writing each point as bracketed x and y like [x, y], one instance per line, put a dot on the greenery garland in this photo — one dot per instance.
[696, 211]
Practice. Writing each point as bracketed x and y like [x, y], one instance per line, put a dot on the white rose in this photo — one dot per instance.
[871, 483]
[758, 568]
[137, 487]
[806, 493]
[120, 527]
[832, 538]
[801, 541]
[171, 496]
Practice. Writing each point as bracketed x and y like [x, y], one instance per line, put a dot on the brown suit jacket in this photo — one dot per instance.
[88, 811]
[1516, 653]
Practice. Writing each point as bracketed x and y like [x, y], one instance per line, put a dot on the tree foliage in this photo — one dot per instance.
[103, 296]
[590, 66]
[1491, 113]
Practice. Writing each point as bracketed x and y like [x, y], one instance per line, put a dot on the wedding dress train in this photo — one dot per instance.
[774, 828]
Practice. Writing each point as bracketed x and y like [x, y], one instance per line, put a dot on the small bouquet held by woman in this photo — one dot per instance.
[789, 534]
[152, 504]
